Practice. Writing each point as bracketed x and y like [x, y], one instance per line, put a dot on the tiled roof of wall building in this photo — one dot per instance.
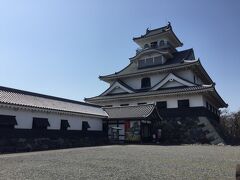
[177, 60]
[34, 100]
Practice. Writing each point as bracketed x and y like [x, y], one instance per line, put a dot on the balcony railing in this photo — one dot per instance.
[156, 46]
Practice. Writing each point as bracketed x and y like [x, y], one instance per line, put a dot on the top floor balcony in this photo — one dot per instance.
[155, 45]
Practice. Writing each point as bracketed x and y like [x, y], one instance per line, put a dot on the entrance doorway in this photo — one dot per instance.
[115, 133]
[146, 133]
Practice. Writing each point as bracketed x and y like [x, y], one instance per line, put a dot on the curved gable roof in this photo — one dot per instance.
[118, 84]
[159, 31]
[132, 68]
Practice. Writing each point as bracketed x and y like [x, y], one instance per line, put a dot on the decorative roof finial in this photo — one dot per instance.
[169, 24]
[147, 30]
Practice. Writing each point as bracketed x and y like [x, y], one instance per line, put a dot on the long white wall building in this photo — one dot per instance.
[27, 106]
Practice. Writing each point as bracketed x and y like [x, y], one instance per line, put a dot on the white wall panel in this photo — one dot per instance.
[24, 119]
[172, 101]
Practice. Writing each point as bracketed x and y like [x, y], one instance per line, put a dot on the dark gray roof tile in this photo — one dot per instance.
[177, 60]
[141, 111]
[29, 99]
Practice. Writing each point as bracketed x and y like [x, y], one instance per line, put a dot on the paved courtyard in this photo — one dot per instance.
[124, 162]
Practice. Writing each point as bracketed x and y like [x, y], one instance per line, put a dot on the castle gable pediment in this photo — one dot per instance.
[117, 88]
[170, 81]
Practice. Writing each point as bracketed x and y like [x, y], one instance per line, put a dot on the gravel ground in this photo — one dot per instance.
[124, 162]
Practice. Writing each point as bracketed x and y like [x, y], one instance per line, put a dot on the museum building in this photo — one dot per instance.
[163, 89]
[163, 95]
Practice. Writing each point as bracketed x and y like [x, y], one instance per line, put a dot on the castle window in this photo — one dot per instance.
[158, 60]
[154, 44]
[7, 122]
[146, 82]
[40, 123]
[149, 62]
[161, 43]
[141, 63]
[85, 126]
[162, 104]
[146, 46]
[64, 125]
[207, 105]
[183, 103]
[124, 104]
[141, 103]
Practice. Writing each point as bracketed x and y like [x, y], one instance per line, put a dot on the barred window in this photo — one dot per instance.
[146, 82]
[183, 103]
[85, 126]
[40, 123]
[64, 125]
[162, 104]
[7, 122]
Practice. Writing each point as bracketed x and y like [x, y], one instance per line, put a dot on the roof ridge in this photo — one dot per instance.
[166, 27]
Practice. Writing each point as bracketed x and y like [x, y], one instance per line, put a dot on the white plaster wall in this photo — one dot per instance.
[172, 84]
[186, 74]
[189, 75]
[172, 101]
[117, 90]
[135, 82]
[198, 80]
[24, 119]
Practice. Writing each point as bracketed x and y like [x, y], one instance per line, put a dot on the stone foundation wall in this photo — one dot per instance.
[182, 130]
[12, 141]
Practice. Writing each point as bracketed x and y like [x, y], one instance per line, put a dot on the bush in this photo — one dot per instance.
[230, 123]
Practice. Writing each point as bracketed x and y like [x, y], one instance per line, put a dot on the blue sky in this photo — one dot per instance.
[60, 47]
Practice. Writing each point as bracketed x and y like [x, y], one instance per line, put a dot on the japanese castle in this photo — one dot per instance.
[163, 89]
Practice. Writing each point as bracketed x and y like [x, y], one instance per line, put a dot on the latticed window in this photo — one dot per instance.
[158, 60]
[162, 104]
[183, 103]
[154, 44]
[40, 123]
[7, 122]
[64, 125]
[85, 126]
[146, 46]
[149, 62]
[146, 82]
[161, 43]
